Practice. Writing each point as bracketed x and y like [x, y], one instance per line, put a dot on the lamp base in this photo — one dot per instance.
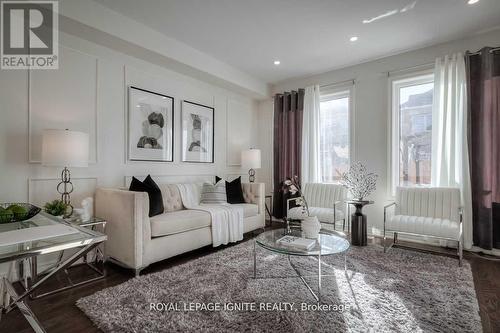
[65, 187]
[251, 175]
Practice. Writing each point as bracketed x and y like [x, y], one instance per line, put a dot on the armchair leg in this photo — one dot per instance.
[395, 237]
[343, 225]
[460, 253]
[385, 242]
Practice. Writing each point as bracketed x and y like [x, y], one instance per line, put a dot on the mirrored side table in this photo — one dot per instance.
[96, 224]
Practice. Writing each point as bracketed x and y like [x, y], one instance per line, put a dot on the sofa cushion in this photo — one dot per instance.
[248, 209]
[234, 192]
[171, 197]
[425, 226]
[178, 221]
[325, 215]
[154, 193]
[214, 194]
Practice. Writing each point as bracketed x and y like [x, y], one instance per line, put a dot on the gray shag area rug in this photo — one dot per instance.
[401, 291]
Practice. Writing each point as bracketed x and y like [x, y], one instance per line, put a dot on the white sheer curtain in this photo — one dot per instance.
[310, 168]
[450, 156]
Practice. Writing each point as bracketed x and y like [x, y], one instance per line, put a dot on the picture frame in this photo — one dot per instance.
[150, 126]
[197, 131]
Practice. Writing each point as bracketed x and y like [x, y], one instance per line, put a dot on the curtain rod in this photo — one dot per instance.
[479, 52]
[352, 81]
[407, 69]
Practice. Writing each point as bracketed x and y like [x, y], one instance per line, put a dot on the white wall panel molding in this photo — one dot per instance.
[232, 176]
[174, 179]
[42, 190]
[198, 93]
[64, 98]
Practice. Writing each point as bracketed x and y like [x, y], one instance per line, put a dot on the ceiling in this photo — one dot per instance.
[308, 37]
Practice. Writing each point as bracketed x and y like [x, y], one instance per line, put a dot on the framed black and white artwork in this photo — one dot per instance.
[150, 126]
[197, 133]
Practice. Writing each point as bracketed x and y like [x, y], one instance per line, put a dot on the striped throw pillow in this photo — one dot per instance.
[214, 194]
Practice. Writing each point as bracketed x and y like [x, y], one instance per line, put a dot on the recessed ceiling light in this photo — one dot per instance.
[471, 2]
[277, 62]
[353, 38]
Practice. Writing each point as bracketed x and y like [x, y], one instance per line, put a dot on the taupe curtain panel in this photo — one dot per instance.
[484, 144]
[288, 110]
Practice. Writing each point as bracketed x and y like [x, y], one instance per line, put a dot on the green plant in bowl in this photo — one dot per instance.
[56, 208]
[6, 215]
[18, 211]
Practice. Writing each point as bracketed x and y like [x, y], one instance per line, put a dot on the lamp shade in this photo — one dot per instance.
[250, 159]
[64, 148]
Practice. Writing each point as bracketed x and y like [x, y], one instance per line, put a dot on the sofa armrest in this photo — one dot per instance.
[255, 193]
[128, 227]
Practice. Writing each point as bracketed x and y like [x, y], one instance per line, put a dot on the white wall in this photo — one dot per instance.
[88, 92]
[265, 125]
[372, 108]
[88, 15]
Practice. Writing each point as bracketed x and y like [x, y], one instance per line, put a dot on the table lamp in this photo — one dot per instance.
[250, 159]
[65, 148]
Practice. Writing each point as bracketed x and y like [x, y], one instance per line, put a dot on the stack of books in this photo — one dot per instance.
[297, 242]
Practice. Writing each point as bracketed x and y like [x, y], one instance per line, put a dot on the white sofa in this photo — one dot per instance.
[325, 201]
[135, 240]
[430, 212]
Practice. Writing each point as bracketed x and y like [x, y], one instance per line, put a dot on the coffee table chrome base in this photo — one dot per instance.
[21, 305]
[318, 295]
[9, 294]
[27, 282]
[319, 276]
[35, 275]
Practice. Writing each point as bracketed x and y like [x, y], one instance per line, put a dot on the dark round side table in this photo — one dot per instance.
[359, 228]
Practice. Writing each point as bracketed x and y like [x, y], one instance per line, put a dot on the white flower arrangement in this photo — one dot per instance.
[359, 183]
[293, 186]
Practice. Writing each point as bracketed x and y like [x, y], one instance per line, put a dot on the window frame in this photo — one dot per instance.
[396, 83]
[337, 92]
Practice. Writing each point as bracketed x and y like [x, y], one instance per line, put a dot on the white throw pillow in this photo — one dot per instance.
[214, 194]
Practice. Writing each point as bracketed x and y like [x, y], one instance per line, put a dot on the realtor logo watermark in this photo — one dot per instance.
[29, 32]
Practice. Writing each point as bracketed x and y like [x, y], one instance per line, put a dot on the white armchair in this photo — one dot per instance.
[430, 212]
[325, 201]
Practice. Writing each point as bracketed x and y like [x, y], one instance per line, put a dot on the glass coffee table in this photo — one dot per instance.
[327, 244]
[79, 238]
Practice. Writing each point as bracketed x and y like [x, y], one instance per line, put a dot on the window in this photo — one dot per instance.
[412, 100]
[334, 141]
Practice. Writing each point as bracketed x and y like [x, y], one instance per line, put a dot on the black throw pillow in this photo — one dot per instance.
[154, 194]
[234, 192]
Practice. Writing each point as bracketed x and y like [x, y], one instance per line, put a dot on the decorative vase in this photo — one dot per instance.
[88, 209]
[311, 227]
[359, 223]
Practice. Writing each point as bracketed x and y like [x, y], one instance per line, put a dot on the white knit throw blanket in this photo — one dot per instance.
[227, 220]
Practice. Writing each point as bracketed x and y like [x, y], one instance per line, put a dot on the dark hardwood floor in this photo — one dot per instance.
[58, 312]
